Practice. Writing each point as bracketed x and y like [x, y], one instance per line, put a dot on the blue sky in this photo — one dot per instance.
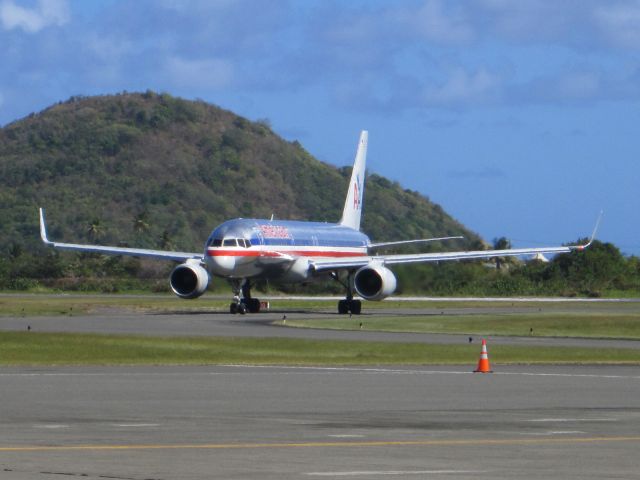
[521, 118]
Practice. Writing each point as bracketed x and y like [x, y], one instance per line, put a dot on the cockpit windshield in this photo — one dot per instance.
[229, 242]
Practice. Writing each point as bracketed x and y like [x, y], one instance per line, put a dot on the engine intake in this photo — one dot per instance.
[374, 282]
[189, 280]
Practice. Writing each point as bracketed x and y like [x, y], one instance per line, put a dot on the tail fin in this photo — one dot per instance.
[353, 204]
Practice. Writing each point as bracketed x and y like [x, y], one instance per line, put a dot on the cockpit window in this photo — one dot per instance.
[230, 242]
[241, 242]
[216, 242]
[247, 243]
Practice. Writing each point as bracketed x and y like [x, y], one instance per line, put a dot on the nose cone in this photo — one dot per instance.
[221, 264]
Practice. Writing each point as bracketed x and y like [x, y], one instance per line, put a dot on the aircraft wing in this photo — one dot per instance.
[133, 252]
[352, 263]
[357, 262]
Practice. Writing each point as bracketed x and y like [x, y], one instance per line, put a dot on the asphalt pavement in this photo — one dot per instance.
[238, 422]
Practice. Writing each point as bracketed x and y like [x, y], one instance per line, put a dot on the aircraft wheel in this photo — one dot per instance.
[233, 308]
[242, 309]
[355, 307]
[253, 305]
[343, 307]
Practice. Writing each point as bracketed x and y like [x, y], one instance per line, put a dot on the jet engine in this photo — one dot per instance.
[189, 280]
[374, 282]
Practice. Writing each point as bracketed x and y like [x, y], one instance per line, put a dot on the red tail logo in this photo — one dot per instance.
[356, 193]
[356, 196]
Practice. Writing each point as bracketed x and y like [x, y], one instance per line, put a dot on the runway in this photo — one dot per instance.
[234, 422]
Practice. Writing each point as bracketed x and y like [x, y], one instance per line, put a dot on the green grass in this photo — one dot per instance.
[552, 319]
[41, 305]
[29, 348]
[552, 324]
[29, 305]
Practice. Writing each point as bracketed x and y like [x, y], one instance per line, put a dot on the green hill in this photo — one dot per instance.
[156, 171]
[153, 170]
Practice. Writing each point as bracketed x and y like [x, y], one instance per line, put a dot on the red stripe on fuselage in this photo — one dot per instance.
[272, 253]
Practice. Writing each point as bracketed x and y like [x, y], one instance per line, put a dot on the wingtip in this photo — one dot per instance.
[43, 227]
[592, 237]
[595, 229]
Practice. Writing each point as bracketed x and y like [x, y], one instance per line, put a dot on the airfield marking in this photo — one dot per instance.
[573, 420]
[390, 443]
[560, 432]
[365, 473]
[136, 425]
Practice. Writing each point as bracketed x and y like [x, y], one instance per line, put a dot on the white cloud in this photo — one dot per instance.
[208, 73]
[620, 23]
[463, 88]
[565, 88]
[32, 20]
[435, 23]
[579, 85]
[109, 47]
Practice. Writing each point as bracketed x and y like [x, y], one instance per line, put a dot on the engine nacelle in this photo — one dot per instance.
[298, 272]
[374, 282]
[189, 280]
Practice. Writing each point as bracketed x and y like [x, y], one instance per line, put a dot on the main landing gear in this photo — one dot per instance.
[348, 305]
[242, 301]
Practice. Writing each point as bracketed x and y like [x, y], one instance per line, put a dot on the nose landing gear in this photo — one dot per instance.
[242, 300]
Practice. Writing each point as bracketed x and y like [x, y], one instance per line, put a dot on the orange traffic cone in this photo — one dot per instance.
[483, 363]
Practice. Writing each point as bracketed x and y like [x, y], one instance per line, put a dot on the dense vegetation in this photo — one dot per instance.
[155, 171]
[597, 271]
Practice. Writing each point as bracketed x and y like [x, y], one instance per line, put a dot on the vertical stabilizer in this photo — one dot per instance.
[353, 205]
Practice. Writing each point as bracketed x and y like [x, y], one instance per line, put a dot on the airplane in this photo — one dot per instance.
[245, 250]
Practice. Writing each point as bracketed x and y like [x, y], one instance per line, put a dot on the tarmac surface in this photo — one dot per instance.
[249, 422]
[234, 422]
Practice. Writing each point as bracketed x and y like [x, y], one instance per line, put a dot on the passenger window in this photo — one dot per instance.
[230, 242]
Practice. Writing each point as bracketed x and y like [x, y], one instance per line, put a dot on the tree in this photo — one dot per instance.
[141, 222]
[95, 229]
[165, 241]
[501, 243]
[592, 270]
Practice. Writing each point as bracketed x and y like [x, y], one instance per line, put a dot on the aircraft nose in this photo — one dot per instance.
[220, 263]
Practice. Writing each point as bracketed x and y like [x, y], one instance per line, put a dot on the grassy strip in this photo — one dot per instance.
[48, 305]
[551, 324]
[45, 305]
[28, 348]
